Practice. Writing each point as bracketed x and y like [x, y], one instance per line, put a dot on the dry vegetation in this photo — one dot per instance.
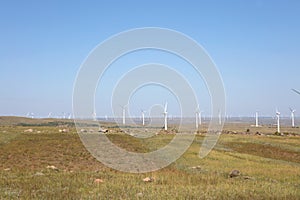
[269, 166]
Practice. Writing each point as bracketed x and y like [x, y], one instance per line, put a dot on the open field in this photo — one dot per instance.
[269, 165]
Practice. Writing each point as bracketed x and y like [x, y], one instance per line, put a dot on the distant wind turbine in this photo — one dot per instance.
[124, 114]
[293, 116]
[198, 117]
[165, 113]
[256, 119]
[94, 116]
[278, 120]
[49, 115]
[143, 117]
[30, 115]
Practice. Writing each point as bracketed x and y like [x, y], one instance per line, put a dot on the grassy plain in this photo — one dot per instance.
[269, 165]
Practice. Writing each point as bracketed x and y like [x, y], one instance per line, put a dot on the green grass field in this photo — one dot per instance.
[269, 165]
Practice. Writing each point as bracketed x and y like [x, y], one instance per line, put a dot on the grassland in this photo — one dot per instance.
[269, 165]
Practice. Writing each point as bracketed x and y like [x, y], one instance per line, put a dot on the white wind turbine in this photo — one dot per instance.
[198, 117]
[124, 114]
[94, 116]
[143, 117]
[49, 115]
[278, 120]
[256, 119]
[30, 115]
[293, 116]
[165, 113]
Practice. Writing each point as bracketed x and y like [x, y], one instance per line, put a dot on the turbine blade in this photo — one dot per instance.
[296, 91]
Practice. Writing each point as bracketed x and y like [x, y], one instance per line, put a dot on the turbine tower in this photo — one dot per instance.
[166, 116]
[220, 117]
[293, 116]
[94, 116]
[256, 119]
[143, 117]
[197, 117]
[200, 117]
[278, 120]
[124, 115]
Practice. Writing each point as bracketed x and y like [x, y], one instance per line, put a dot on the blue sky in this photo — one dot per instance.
[255, 45]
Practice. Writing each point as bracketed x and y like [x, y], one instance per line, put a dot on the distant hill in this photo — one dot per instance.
[12, 120]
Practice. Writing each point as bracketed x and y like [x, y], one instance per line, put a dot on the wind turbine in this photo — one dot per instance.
[198, 117]
[166, 116]
[278, 120]
[124, 114]
[49, 115]
[94, 116]
[293, 116]
[143, 117]
[256, 119]
[30, 115]
[220, 116]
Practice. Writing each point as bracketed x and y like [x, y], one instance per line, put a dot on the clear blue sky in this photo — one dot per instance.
[255, 44]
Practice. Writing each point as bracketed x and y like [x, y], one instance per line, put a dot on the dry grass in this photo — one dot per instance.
[270, 168]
